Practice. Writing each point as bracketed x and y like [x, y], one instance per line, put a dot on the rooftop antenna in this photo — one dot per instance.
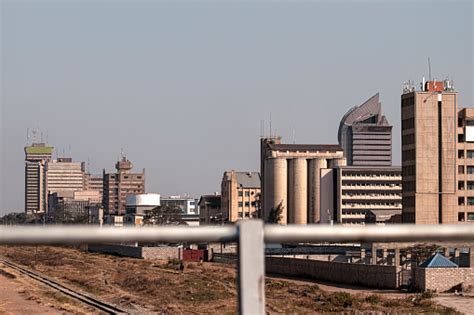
[69, 151]
[88, 165]
[262, 128]
[294, 136]
[27, 136]
[429, 68]
[270, 124]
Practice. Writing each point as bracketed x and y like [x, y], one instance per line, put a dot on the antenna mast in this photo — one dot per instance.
[270, 124]
[429, 68]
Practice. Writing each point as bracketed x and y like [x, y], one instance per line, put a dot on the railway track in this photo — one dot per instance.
[84, 298]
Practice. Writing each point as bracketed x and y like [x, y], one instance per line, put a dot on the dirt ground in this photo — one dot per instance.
[159, 286]
[22, 295]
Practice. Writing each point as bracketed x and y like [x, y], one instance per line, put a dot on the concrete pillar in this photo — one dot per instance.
[396, 260]
[276, 190]
[384, 256]
[314, 183]
[374, 255]
[298, 191]
[457, 253]
[362, 255]
[446, 252]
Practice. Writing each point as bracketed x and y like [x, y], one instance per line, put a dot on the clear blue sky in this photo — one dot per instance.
[182, 87]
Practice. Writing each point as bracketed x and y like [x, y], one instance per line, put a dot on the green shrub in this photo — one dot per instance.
[341, 299]
[372, 299]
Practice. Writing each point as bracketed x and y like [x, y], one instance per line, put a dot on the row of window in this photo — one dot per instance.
[469, 169]
[408, 155]
[408, 123]
[247, 204]
[470, 185]
[247, 193]
[408, 139]
[462, 216]
[469, 154]
[470, 201]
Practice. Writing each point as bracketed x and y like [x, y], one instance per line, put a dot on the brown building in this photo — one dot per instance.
[240, 195]
[94, 182]
[120, 184]
[436, 146]
[210, 211]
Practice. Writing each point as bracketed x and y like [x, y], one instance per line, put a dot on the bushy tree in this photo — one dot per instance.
[164, 215]
[275, 214]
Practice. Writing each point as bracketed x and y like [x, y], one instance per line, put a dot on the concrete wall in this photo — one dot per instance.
[377, 276]
[138, 252]
[443, 279]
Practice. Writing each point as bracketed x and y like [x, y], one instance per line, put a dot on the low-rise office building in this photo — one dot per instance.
[136, 207]
[210, 211]
[360, 195]
[240, 195]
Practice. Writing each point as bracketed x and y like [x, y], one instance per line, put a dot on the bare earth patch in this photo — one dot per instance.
[159, 286]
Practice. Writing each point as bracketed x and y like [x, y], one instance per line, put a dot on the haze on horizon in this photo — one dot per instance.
[182, 87]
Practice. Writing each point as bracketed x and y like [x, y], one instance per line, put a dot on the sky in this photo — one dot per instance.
[182, 87]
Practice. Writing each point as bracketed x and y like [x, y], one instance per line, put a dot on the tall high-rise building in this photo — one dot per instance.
[429, 153]
[65, 175]
[36, 157]
[120, 184]
[365, 135]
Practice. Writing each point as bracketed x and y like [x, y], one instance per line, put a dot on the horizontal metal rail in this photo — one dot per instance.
[373, 233]
[272, 234]
[65, 234]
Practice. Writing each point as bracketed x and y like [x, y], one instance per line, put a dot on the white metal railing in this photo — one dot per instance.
[251, 235]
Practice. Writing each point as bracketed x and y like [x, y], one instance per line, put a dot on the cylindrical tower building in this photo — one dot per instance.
[276, 191]
[314, 182]
[298, 191]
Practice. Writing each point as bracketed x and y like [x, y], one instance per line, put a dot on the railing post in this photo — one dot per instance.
[251, 268]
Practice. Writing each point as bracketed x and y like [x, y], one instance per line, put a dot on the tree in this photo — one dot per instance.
[275, 216]
[421, 252]
[163, 215]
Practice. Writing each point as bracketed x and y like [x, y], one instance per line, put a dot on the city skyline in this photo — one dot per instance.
[185, 106]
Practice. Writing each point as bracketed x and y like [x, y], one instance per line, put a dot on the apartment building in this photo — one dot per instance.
[240, 195]
[36, 157]
[120, 184]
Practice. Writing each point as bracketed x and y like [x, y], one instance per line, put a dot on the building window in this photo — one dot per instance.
[470, 216]
[470, 201]
[470, 185]
[470, 154]
[460, 201]
[241, 204]
[461, 154]
[460, 185]
[247, 194]
[461, 217]
[240, 193]
[241, 215]
[461, 138]
[470, 169]
[461, 169]
[247, 204]
[459, 122]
